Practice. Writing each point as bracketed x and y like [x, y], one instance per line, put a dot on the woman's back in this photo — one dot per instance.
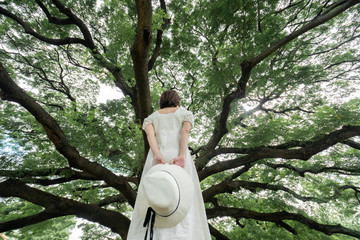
[167, 127]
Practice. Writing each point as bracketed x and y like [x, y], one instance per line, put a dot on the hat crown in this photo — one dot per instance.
[168, 190]
[162, 192]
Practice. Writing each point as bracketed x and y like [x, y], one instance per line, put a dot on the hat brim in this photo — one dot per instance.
[186, 188]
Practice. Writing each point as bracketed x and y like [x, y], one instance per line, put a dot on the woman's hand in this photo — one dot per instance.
[179, 160]
[159, 160]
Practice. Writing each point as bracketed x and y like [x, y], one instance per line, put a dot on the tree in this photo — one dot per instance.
[271, 84]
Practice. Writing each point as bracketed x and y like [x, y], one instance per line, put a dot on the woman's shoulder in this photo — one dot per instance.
[180, 111]
[184, 110]
[185, 114]
[151, 115]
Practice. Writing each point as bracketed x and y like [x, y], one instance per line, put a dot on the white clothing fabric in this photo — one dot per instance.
[194, 226]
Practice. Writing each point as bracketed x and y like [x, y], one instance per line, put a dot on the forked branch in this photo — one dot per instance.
[302, 153]
[86, 41]
[12, 92]
[281, 216]
[220, 127]
[159, 35]
[57, 206]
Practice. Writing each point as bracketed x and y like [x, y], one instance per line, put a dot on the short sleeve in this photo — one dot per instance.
[189, 117]
[147, 121]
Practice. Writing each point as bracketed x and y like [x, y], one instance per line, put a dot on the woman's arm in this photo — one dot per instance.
[184, 140]
[150, 134]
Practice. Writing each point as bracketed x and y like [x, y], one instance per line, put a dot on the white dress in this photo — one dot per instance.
[194, 226]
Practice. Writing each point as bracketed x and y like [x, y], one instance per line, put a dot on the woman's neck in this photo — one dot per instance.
[168, 110]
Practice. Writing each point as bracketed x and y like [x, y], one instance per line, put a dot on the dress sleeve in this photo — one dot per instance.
[189, 117]
[147, 120]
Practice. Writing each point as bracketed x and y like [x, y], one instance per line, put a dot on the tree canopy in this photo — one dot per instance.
[273, 86]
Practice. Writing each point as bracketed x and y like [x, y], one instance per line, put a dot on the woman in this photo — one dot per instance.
[167, 132]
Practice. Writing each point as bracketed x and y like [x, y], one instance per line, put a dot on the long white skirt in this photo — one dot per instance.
[193, 227]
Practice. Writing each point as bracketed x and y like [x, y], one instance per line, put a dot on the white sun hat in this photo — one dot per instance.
[168, 191]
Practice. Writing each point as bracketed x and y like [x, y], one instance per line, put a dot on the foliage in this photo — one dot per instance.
[58, 228]
[276, 130]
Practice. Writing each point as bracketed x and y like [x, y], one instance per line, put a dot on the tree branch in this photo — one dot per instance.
[61, 88]
[37, 172]
[78, 22]
[113, 69]
[31, 176]
[345, 187]
[301, 172]
[57, 206]
[285, 110]
[353, 61]
[87, 42]
[302, 153]
[48, 182]
[112, 199]
[288, 6]
[352, 144]
[139, 54]
[29, 220]
[246, 66]
[337, 46]
[326, 16]
[287, 227]
[12, 92]
[281, 216]
[291, 144]
[159, 34]
[217, 234]
[231, 186]
[29, 30]
[52, 19]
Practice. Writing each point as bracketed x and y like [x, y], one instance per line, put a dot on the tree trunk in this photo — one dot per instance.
[140, 53]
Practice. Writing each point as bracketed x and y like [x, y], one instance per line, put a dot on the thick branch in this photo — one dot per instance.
[31, 176]
[231, 186]
[288, 145]
[115, 70]
[87, 41]
[302, 153]
[281, 216]
[217, 234]
[37, 172]
[112, 199]
[29, 30]
[48, 182]
[57, 206]
[159, 34]
[12, 92]
[301, 172]
[52, 19]
[139, 53]
[352, 144]
[78, 22]
[312, 24]
[287, 227]
[29, 220]
[220, 127]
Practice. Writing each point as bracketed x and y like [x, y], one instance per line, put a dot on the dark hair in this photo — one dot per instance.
[169, 98]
